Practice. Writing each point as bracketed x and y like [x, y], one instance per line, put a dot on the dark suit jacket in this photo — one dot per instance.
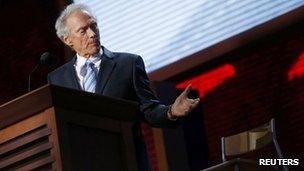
[121, 75]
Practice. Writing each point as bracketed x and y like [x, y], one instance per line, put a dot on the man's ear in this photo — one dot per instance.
[67, 41]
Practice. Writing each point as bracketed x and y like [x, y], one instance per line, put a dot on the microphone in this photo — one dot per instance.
[45, 59]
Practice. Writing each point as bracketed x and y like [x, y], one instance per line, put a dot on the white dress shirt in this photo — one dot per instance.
[80, 62]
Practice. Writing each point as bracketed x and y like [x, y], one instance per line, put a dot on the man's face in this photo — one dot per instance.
[83, 34]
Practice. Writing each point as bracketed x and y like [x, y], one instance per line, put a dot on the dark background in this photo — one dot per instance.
[261, 88]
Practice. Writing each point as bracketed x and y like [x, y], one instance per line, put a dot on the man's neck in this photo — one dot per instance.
[91, 56]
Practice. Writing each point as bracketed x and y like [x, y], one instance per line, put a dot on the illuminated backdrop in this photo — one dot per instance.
[163, 32]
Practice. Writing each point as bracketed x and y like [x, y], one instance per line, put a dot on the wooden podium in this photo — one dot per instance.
[62, 129]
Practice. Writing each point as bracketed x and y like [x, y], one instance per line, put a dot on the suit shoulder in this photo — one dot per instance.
[122, 56]
[60, 69]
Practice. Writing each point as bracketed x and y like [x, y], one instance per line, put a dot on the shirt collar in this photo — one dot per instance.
[82, 60]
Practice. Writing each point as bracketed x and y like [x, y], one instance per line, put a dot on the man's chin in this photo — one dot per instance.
[95, 50]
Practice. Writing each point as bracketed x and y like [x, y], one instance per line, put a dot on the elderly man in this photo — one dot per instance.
[96, 69]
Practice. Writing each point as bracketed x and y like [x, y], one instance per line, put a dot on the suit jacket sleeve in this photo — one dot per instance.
[154, 112]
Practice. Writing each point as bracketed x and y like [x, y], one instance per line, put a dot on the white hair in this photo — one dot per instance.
[62, 30]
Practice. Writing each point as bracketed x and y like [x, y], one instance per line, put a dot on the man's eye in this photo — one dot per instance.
[81, 31]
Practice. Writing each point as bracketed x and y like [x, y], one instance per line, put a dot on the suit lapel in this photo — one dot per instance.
[106, 67]
[72, 75]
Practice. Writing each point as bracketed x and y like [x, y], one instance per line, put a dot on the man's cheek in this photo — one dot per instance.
[85, 43]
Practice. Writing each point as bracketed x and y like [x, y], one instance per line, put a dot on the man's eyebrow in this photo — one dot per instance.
[80, 28]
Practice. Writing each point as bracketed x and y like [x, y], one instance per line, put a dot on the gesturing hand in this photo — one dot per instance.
[182, 105]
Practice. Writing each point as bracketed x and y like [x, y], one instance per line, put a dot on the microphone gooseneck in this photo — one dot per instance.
[45, 59]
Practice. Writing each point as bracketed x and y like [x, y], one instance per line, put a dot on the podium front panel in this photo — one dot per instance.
[89, 142]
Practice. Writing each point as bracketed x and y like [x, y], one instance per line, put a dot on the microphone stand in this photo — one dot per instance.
[45, 59]
[29, 78]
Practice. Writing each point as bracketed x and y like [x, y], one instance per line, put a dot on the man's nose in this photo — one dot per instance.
[92, 33]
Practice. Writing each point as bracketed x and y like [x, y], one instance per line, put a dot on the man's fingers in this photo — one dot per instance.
[187, 90]
[193, 103]
[196, 102]
[184, 105]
